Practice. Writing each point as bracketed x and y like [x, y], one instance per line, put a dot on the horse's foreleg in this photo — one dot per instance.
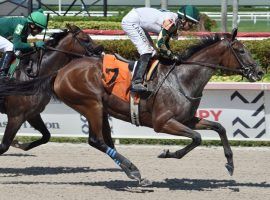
[173, 127]
[96, 140]
[106, 131]
[93, 111]
[128, 167]
[39, 125]
[203, 124]
[13, 125]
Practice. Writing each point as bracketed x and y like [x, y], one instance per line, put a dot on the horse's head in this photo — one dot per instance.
[72, 42]
[79, 42]
[237, 56]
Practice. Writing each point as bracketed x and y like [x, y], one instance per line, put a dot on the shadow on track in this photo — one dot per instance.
[171, 184]
[19, 155]
[36, 171]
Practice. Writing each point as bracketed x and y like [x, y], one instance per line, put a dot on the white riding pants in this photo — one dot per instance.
[137, 35]
[5, 45]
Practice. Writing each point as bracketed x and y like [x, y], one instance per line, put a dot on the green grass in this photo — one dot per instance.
[247, 26]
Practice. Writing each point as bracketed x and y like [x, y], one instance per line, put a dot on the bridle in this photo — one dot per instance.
[86, 45]
[245, 70]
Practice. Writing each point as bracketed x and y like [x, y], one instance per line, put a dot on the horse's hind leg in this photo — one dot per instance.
[13, 125]
[173, 127]
[203, 124]
[39, 125]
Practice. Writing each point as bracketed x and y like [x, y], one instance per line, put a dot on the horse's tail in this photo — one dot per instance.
[35, 86]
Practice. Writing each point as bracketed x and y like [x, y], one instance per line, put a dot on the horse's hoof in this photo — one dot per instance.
[230, 168]
[135, 175]
[164, 154]
[145, 182]
[15, 144]
[19, 145]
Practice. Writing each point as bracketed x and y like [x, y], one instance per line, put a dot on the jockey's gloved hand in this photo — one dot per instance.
[40, 44]
[177, 58]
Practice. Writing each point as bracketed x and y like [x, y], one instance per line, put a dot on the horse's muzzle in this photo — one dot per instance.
[255, 76]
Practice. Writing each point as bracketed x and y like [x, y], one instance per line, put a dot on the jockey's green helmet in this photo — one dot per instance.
[38, 18]
[190, 13]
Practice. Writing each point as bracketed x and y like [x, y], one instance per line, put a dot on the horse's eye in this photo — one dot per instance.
[241, 51]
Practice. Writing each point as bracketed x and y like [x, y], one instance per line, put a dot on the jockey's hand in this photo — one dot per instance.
[40, 45]
[177, 58]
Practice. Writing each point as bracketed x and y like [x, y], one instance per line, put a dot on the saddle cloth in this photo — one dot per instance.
[116, 76]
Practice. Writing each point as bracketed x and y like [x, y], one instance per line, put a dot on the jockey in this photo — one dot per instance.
[17, 29]
[139, 21]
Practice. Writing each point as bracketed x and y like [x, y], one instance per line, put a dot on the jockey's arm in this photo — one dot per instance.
[167, 31]
[20, 39]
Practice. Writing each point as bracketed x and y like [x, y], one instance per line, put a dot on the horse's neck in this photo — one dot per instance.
[53, 62]
[196, 76]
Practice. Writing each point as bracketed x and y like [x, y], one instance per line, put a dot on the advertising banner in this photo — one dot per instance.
[244, 114]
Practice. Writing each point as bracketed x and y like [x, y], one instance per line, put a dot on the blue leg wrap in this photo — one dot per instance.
[112, 153]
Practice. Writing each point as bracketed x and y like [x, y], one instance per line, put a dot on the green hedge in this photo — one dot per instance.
[74, 19]
[98, 25]
[260, 50]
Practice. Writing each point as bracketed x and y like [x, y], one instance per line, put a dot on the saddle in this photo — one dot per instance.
[117, 74]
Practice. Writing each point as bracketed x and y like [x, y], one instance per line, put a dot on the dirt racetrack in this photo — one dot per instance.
[77, 171]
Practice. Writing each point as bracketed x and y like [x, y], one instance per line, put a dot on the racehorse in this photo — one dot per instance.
[64, 47]
[171, 107]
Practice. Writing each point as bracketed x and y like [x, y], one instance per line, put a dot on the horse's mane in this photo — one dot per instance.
[56, 37]
[204, 42]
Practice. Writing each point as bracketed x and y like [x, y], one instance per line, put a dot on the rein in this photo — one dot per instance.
[154, 94]
[213, 66]
[241, 70]
[67, 52]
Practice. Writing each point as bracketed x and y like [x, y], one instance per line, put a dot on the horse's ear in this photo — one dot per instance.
[234, 33]
[68, 26]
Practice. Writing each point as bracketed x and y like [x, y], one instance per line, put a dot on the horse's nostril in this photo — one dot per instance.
[260, 73]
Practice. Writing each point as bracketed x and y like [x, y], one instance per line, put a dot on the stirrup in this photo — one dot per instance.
[138, 87]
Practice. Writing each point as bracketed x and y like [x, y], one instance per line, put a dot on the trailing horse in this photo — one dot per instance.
[171, 107]
[64, 47]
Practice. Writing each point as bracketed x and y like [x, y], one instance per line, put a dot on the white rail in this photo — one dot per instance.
[242, 16]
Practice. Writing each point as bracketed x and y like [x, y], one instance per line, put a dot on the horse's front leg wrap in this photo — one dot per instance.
[129, 168]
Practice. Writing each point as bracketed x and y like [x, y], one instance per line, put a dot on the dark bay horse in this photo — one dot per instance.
[28, 108]
[171, 109]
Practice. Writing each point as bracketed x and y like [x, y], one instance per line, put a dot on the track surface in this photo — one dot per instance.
[77, 171]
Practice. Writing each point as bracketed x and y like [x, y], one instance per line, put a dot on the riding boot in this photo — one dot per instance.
[6, 61]
[137, 79]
